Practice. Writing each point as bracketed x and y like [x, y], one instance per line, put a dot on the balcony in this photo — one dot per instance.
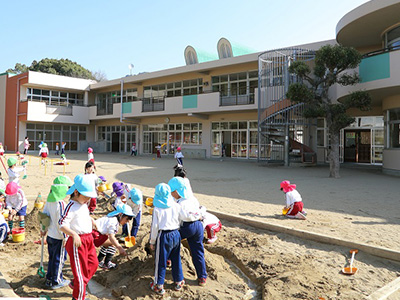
[236, 100]
[153, 104]
[59, 110]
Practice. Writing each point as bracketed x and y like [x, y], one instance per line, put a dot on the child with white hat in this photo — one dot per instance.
[77, 224]
[16, 203]
[104, 234]
[54, 208]
[165, 238]
[294, 202]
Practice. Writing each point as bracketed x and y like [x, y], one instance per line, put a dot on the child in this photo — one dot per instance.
[16, 204]
[179, 156]
[211, 225]
[294, 203]
[57, 149]
[104, 235]
[165, 238]
[4, 229]
[180, 171]
[63, 147]
[191, 227]
[63, 159]
[2, 185]
[133, 149]
[44, 151]
[89, 172]
[1, 149]
[54, 208]
[158, 147]
[26, 145]
[118, 190]
[135, 201]
[77, 224]
[13, 171]
[90, 154]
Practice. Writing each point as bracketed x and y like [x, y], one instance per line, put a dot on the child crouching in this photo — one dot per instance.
[104, 235]
[294, 203]
[16, 204]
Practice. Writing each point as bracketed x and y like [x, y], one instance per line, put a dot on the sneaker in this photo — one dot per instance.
[109, 265]
[210, 241]
[62, 284]
[179, 285]
[202, 281]
[300, 216]
[48, 284]
[101, 264]
[158, 289]
[169, 263]
[304, 213]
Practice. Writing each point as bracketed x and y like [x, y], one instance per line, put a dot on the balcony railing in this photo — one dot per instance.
[59, 110]
[153, 104]
[236, 100]
[381, 51]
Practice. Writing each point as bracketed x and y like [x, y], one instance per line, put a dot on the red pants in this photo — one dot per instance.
[83, 262]
[98, 238]
[44, 155]
[92, 204]
[212, 229]
[297, 207]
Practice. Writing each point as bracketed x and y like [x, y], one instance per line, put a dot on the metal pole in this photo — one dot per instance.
[286, 145]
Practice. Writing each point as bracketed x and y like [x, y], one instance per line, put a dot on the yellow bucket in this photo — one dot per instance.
[5, 214]
[151, 211]
[109, 186]
[102, 188]
[284, 211]
[149, 201]
[39, 205]
[18, 235]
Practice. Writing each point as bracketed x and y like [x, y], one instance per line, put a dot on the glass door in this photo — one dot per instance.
[147, 143]
[216, 143]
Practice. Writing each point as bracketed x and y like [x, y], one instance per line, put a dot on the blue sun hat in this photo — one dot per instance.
[162, 196]
[136, 196]
[178, 184]
[84, 185]
[122, 209]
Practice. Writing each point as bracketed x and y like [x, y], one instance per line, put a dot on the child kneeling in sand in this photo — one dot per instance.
[104, 235]
[294, 203]
[211, 225]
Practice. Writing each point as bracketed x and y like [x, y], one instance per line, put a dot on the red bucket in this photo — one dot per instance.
[18, 230]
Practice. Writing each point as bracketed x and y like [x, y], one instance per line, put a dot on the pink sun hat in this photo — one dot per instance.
[287, 187]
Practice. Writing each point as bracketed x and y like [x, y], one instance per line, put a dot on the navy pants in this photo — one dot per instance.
[3, 232]
[194, 233]
[168, 246]
[180, 160]
[135, 225]
[57, 257]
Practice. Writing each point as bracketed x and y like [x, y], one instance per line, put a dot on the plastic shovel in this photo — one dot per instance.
[41, 271]
[130, 241]
[23, 164]
[350, 270]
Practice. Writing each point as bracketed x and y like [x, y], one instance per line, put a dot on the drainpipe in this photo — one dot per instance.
[122, 90]
[17, 112]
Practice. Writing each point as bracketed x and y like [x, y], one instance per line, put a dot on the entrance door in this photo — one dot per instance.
[115, 142]
[357, 147]
[226, 143]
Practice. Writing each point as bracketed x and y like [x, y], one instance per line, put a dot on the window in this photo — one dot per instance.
[127, 136]
[394, 128]
[55, 98]
[237, 84]
[321, 129]
[392, 38]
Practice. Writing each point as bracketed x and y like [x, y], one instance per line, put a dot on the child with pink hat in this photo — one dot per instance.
[179, 156]
[16, 203]
[294, 202]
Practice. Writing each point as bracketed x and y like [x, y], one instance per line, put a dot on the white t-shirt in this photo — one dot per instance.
[44, 150]
[292, 197]
[179, 155]
[76, 217]
[165, 219]
[90, 156]
[54, 210]
[107, 225]
[16, 201]
[209, 219]
[13, 174]
[190, 209]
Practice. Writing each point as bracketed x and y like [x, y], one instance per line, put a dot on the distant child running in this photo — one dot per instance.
[54, 208]
[26, 145]
[44, 152]
[13, 171]
[63, 144]
[16, 203]
[165, 239]
[77, 224]
[294, 203]
[57, 149]
[133, 149]
[104, 235]
[179, 156]
[135, 201]
[1, 149]
[158, 147]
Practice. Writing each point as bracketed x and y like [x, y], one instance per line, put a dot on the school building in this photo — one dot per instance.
[230, 104]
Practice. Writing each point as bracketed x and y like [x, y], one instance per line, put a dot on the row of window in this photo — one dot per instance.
[243, 83]
[56, 98]
[174, 89]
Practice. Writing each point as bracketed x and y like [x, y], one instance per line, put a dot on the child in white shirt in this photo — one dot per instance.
[13, 171]
[16, 204]
[179, 156]
[294, 202]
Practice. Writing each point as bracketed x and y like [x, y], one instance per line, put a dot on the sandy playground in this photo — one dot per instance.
[244, 263]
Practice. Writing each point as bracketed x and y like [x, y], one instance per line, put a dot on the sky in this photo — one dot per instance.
[108, 36]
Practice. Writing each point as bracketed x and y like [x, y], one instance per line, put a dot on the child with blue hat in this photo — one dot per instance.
[191, 227]
[77, 224]
[165, 238]
[53, 210]
[104, 234]
[135, 201]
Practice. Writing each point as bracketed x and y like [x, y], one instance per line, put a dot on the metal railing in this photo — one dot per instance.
[236, 100]
[381, 51]
[153, 104]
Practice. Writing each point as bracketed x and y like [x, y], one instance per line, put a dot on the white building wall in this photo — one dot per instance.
[37, 113]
